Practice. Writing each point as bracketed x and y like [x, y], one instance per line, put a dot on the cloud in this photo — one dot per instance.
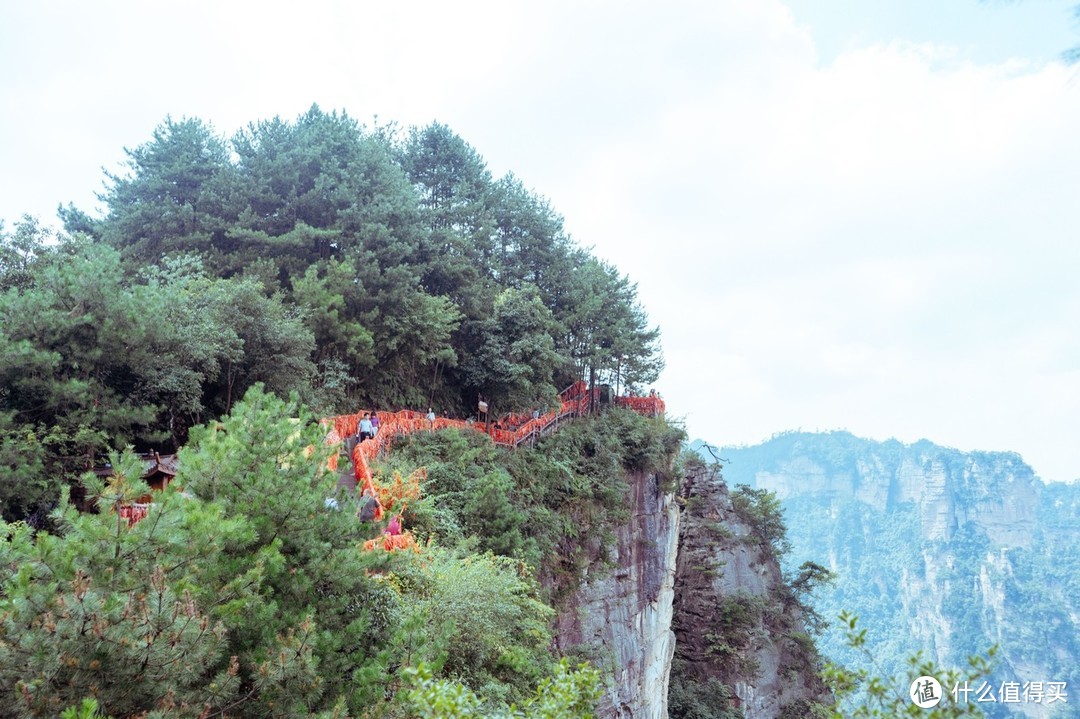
[881, 241]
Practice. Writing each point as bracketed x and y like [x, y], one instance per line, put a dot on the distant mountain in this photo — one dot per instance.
[937, 550]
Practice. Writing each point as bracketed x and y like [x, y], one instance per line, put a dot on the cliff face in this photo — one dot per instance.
[621, 614]
[993, 491]
[740, 645]
[937, 550]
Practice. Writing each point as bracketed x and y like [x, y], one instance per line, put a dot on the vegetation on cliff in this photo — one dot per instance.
[743, 646]
[234, 291]
[244, 591]
[296, 270]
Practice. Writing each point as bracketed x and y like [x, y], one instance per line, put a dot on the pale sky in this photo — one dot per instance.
[843, 214]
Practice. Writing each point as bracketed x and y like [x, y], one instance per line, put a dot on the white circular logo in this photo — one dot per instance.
[925, 692]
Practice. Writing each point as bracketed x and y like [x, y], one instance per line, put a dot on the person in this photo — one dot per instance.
[536, 414]
[374, 424]
[394, 528]
[368, 503]
[366, 430]
[431, 417]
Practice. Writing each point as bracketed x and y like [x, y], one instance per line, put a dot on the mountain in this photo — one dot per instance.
[936, 550]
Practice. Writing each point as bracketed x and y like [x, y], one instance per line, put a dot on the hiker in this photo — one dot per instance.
[366, 430]
[394, 528]
[374, 424]
[368, 504]
[431, 417]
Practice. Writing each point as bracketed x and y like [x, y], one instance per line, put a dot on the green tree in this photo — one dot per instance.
[175, 197]
[572, 693]
[109, 612]
[496, 628]
[243, 593]
[94, 358]
[761, 510]
[860, 693]
[511, 356]
[454, 186]
[606, 332]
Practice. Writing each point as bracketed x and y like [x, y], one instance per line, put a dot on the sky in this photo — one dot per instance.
[842, 214]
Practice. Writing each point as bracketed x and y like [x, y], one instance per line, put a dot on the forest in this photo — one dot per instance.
[235, 291]
[354, 266]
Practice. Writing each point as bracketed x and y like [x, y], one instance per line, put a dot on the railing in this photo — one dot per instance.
[573, 401]
[512, 430]
[134, 512]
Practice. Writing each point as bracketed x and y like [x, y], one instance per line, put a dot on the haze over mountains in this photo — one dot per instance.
[937, 550]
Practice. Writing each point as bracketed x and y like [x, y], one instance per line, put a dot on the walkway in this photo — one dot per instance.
[514, 429]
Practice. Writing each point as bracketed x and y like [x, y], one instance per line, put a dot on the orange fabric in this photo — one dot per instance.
[396, 495]
[133, 512]
[393, 543]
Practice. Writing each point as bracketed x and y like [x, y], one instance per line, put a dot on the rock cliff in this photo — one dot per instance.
[703, 588]
[937, 550]
[741, 648]
[621, 613]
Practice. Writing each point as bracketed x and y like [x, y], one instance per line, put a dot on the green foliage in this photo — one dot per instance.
[489, 610]
[709, 699]
[159, 615]
[862, 693]
[403, 255]
[175, 195]
[761, 510]
[110, 613]
[512, 353]
[92, 359]
[24, 484]
[547, 506]
[572, 693]
[732, 629]
[243, 592]
[87, 709]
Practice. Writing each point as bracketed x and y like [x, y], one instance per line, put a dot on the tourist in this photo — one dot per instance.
[368, 505]
[367, 431]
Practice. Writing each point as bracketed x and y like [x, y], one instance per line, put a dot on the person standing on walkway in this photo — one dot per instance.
[431, 418]
[366, 430]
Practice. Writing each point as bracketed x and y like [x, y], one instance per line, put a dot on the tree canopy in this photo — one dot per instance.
[356, 266]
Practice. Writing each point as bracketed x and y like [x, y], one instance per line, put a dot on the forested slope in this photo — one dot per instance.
[235, 291]
[356, 266]
[246, 593]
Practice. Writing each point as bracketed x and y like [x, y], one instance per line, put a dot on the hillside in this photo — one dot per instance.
[937, 550]
[498, 549]
[354, 266]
